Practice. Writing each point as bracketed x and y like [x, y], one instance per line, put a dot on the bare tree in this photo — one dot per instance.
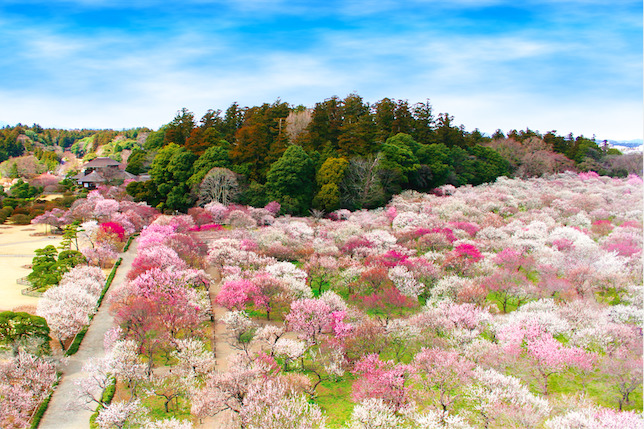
[220, 184]
[296, 122]
[361, 186]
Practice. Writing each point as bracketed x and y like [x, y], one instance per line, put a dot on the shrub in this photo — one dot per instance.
[20, 219]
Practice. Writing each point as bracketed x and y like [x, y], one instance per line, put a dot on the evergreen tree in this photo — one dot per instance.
[290, 180]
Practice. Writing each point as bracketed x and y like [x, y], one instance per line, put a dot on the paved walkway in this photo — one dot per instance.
[57, 415]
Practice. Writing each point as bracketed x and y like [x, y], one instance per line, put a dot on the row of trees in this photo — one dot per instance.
[341, 153]
[348, 153]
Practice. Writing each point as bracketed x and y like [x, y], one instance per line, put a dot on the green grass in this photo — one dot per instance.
[335, 400]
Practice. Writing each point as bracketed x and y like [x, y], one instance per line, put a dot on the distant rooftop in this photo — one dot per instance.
[101, 162]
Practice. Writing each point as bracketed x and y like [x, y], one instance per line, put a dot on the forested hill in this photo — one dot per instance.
[340, 153]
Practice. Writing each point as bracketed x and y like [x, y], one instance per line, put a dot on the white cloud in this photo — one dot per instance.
[524, 78]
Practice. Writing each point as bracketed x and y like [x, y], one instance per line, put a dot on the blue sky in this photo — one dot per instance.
[566, 65]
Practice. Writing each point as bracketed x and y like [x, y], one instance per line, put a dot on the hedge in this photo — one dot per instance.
[106, 398]
[35, 419]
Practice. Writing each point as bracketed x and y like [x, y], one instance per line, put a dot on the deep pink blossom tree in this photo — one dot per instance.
[235, 294]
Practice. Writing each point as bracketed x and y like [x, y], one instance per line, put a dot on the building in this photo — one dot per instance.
[103, 171]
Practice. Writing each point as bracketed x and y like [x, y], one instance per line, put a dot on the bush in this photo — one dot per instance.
[5, 212]
[20, 219]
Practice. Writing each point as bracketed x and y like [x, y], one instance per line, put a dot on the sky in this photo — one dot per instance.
[573, 66]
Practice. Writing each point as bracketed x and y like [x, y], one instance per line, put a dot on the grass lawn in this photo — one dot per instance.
[335, 400]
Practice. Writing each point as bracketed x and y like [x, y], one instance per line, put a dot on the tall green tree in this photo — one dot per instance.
[328, 178]
[358, 130]
[290, 180]
[214, 156]
[324, 128]
[170, 171]
[179, 130]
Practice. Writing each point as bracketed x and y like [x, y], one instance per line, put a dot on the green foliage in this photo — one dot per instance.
[437, 158]
[78, 339]
[406, 141]
[254, 195]
[16, 328]
[70, 236]
[24, 190]
[170, 171]
[5, 212]
[50, 159]
[44, 268]
[178, 131]
[214, 156]
[20, 219]
[68, 259]
[290, 180]
[328, 199]
[156, 138]
[48, 266]
[136, 162]
[144, 191]
[400, 160]
[332, 171]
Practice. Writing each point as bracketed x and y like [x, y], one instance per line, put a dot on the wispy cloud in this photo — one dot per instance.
[488, 62]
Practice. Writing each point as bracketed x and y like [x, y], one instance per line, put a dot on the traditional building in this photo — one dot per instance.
[102, 170]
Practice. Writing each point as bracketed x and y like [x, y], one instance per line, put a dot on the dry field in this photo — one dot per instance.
[17, 246]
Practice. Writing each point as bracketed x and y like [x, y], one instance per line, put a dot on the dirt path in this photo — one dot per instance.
[222, 350]
[58, 416]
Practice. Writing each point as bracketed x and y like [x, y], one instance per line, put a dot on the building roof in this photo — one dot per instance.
[101, 162]
[92, 177]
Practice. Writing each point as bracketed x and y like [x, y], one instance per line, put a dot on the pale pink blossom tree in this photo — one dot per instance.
[25, 381]
[66, 309]
[442, 372]
[309, 317]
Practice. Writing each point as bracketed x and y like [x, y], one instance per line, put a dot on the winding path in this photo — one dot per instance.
[58, 416]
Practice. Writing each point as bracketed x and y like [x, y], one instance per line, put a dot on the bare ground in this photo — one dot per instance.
[17, 249]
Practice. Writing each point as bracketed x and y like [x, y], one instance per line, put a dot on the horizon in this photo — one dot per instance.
[571, 66]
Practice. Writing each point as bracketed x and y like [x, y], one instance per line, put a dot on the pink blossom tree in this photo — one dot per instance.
[235, 294]
[383, 379]
[443, 372]
[25, 381]
[548, 357]
[310, 317]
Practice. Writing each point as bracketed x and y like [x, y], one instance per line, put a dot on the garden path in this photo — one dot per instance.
[222, 349]
[58, 415]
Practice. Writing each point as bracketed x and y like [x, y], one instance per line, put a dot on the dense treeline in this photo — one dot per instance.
[341, 153]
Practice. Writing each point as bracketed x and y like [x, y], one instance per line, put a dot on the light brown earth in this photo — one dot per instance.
[17, 249]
